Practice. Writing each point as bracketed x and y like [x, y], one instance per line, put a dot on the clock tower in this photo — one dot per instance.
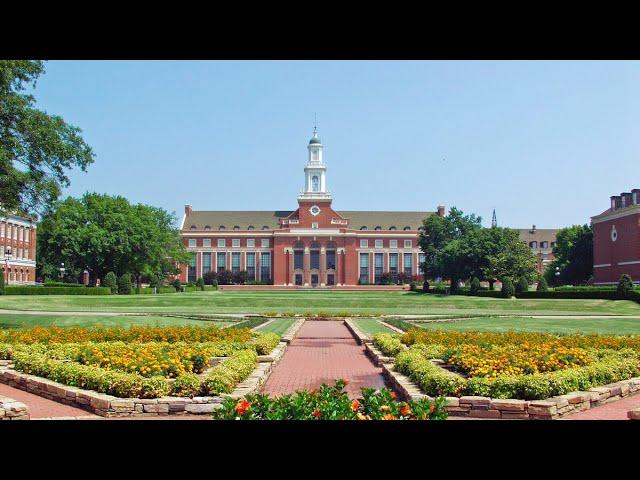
[315, 173]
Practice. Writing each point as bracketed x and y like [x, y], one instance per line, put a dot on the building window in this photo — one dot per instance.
[393, 263]
[393, 243]
[222, 242]
[236, 227]
[364, 268]
[408, 264]
[222, 227]
[553, 244]
[544, 244]
[251, 242]
[421, 259]
[378, 227]
[191, 273]
[221, 261]
[193, 227]
[315, 182]
[206, 242]
[1, 229]
[363, 227]
[407, 244]
[392, 227]
[264, 243]
[235, 262]
[331, 259]
[192, 242]
[206, 262]
[265, 267]
[378, 243]
[533, 244]
[251, 227]
[298, 259]
[364, 243]
[379, 264]
[264, 227]
[235, 242]
[251, 265]
[314, 225]
[407, 227]
[299, 279]
[207, 227]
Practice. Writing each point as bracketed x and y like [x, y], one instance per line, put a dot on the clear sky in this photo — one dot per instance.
[545, 143]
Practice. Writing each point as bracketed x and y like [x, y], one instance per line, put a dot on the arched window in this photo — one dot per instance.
[364, 227]
[378, 227]
[222, 227]
[250, 227]
[207, 227]
[392, 227]
[193, 227]
[236, 227]
[264, 227]
[407, 227]
[314, 245]
[533, 244]
[315, 184]
[544, 244]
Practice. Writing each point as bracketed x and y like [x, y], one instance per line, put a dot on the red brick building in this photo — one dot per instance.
[18, 249]
[616, 239]
[313, 245]
[541, 242]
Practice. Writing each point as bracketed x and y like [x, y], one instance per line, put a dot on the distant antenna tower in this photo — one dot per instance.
[494, 221]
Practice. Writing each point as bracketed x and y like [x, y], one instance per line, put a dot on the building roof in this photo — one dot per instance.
[314, 140]
[539, 234]
[270, 218]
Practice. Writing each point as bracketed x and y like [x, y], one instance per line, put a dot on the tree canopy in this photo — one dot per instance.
[105, 233]
[573, 253]
[36, 148]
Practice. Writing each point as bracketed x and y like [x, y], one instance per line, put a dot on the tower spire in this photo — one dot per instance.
[315, 124]
[494, 221]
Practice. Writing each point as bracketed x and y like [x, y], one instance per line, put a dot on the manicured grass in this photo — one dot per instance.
[279, 326]
[371, 326]
[331, 302]
[28, 321]
[609, 326]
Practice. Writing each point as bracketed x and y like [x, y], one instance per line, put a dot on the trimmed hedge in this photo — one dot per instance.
[265, 342]
[431, 379]
[30, 290]
[398, 323]
[63, 284]
[388, 343]
[187, 385]
[250, 323]
[224, 377]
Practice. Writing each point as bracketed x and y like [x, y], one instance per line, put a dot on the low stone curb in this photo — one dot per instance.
[11, 409]
[379, 359]
[391, 327]
[361, 338]
[290, 334]
[634, 414]
[263, 325]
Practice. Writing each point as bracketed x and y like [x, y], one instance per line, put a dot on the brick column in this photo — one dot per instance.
[257, 265]
[323, 270]
[306, 268]
[198, 265]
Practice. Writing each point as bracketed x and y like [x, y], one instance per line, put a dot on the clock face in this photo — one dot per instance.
[315, 210]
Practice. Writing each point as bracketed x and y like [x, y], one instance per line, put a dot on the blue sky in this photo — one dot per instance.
[545, 143]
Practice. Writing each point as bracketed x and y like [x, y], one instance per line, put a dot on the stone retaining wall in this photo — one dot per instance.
[485, 407]
[11, 409]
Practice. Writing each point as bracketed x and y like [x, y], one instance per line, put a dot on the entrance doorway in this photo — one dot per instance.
[314, 279]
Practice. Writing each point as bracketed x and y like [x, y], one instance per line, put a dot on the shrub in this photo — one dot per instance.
[187, 385]
[475, 285]
[508, 289]
[210, 278]
[250, 323]
[240, 278]
[111, 282]
[413, 286]
[200, 283]
[522, 285]
[399, 323]
[50, 283]
[265, 342]
[388, 343]
[225, 277]
[432, 379]
[425, 287]
[543, 286]
[625, 286]
[34, 290]
[125, 287]
[225, 376]
[2, 282]
[176, 284]
[331, 403]
[155, 387]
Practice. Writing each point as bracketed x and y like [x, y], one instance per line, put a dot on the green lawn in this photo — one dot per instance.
[371, 326]
[612, 326]
[27, 321]
[332, 302]
[279, 326]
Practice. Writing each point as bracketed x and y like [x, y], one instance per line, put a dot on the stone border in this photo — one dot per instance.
[361, 338]
[634, 414]
[109, 406]
[391, 327]
[11, 409]
[290, 334]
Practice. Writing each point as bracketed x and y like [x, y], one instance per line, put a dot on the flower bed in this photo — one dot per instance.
[330, 403]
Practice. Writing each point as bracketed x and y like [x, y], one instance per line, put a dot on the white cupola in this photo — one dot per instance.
[315, 172]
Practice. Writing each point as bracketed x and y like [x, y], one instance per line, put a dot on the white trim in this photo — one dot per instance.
[632, 262]
[620, 213]
[184, 217]
[602, 265]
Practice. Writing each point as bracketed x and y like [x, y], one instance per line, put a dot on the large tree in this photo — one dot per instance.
[103, 233]
[573, 256]
[36, 148]
[513, 261]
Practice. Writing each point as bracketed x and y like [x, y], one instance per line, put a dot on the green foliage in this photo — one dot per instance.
[513, 260]
[388, 343]
[399, 323]
[108, 234]
[63, 284]
[111, 281]
[474, 287]
[200, 283]
[625, 286]
[36, 148]
[2, 282]
[125, 286]
[225, 376]
[508, 290]
[251, 323]
[573, 254]
[176, 284]
[542, 285]
[432, 379]
[34, 290]
[522, 285]
[331, 403]
[155, 387]
[186, 385]
[265, 342]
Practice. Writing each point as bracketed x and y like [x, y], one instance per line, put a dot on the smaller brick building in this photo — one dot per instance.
[616, 239]
[18, 249]
[541, 242]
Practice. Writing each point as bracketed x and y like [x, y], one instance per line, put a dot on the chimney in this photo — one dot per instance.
[626, 199]
[533, 229]
[613, 202]
[187, 209]
[635, 196]
[441, 210]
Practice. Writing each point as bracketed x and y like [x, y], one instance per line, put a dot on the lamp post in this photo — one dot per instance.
[7, 256]
[557, 274]
[62, 271]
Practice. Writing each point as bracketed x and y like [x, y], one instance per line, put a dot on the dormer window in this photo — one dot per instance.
[363, 227]
[207, 227]
[236, 227]
[406, 228]
[222, 227]
[250, 227]
[392, 228]
[378, 227]
[193, 227]
[533, 244]
[264, 227]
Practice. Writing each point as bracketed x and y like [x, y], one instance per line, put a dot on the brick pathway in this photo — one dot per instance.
[322, 352]
[610, 411]
[40, 407]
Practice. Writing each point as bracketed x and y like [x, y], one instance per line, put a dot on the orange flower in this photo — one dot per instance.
[355, 405]
[315, 391]
[242, 407]
[360, 416]
[388, 416]
[405, 410]
[393, 395]
[316, 413]
[385, 408]
[346, 382]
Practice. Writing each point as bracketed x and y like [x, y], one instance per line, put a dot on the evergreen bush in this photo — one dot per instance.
[125, 286]
[111, 282]
[625, 286]
[508, 290]
[475, 285]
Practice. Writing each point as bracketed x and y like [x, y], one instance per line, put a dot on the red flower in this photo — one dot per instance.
[405, 410]
[315, 391]
[316, 413]
[355, 405]
[346, 382]
[393, 395]
[242, 407]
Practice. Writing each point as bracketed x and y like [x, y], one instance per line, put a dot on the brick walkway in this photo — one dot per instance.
[322, 352]
[40, 407]
[610, 411]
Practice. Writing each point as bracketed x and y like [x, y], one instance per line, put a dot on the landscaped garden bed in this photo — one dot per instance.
[138, 370]
[510, 375]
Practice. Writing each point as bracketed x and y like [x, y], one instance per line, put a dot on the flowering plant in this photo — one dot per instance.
[331, 403]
